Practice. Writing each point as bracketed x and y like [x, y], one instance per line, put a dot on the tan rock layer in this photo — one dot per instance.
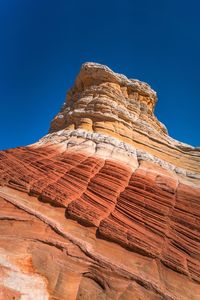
[106, 206]
[107, 103]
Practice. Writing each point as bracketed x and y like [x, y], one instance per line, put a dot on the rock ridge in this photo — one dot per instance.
[105, 206]
[99, 92]
[93, 72]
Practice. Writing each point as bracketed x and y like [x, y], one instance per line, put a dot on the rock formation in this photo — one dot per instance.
[105, 206]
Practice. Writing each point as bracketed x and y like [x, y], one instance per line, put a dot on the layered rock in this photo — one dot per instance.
[105, 206]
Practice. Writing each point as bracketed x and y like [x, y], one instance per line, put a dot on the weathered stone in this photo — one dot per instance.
[106, 206]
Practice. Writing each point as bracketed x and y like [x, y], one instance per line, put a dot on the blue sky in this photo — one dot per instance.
[44, 42]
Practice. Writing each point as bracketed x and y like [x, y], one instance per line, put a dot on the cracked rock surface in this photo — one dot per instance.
[105, 206]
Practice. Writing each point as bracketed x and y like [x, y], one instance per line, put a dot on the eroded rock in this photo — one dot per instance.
[105, 206]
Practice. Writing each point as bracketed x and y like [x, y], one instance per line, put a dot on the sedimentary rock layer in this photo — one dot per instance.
[109, 104]
[106, 206]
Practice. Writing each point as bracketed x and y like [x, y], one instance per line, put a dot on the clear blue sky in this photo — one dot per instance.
[44, 42]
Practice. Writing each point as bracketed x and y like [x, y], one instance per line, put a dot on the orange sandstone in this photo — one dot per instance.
[106, 206]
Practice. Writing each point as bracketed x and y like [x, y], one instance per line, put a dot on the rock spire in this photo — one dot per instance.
[105, 206]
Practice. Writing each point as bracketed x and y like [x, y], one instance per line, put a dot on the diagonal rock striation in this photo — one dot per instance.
[106, 205]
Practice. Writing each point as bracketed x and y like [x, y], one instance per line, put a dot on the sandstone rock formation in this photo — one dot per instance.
[105, 206]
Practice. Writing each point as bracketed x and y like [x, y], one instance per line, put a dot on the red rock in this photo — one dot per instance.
[85, 215]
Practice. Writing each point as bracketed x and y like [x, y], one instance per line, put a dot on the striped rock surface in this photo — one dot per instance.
[105, 206]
